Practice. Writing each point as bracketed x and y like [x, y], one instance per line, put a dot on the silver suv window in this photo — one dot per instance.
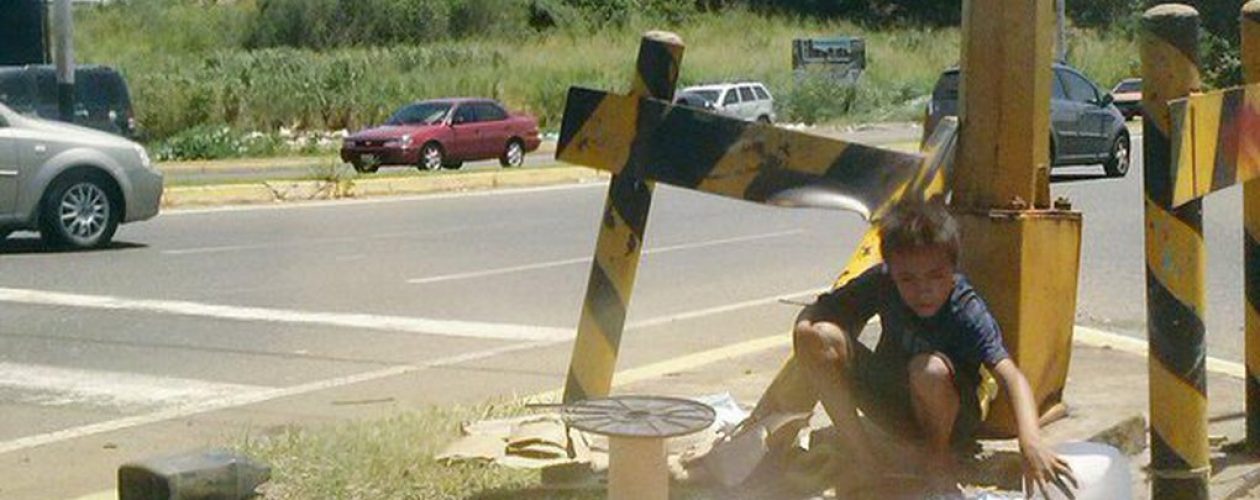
[761, 93]
[732, 97]
[746, 94]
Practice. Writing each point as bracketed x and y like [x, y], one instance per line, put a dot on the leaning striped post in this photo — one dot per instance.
[620, 238]
[1174, 265]
[1251, 237]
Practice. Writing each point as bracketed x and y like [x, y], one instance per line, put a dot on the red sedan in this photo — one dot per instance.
[444, 133]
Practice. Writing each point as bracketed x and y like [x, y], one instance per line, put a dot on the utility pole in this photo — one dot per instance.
[64, 37]
[1060, 50]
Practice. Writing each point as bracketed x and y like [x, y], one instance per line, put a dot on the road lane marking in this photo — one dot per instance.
[269, 394]
[721, 309]
[579, 260]
[232, 401]
[304, 243]
[375, 201]
[55, 386]
[426, 326]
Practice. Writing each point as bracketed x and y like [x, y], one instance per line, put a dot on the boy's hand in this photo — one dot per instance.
[1041, 466]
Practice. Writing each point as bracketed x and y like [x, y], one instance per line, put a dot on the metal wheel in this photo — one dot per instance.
[430, 157]
[79, 212]
[513, 154]
[365, 168]
[1118, 164]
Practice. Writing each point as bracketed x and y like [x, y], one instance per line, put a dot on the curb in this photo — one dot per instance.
[293, 191]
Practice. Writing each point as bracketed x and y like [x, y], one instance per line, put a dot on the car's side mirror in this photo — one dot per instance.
[1106, 100]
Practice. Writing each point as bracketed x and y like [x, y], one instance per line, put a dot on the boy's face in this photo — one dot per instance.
[924, 278]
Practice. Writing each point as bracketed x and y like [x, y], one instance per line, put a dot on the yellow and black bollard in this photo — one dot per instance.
[1174, 265]
[1251, 237]
[620, 238]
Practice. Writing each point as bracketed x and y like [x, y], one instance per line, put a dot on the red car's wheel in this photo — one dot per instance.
[513, 154]
[431, 157]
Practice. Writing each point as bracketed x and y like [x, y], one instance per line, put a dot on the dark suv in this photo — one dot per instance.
[101, 100]
[1085, 126]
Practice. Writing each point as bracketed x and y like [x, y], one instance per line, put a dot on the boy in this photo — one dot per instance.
[922, 378]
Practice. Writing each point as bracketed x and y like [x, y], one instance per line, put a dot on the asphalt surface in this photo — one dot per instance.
[345, 309]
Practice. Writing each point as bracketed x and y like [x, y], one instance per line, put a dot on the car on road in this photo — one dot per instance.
[744, 100]
[102, 100]
[1128, 97]
[444, 133]
[73, 184]
[1086, 128]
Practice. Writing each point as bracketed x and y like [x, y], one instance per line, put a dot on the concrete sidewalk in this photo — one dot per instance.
[1107, 386]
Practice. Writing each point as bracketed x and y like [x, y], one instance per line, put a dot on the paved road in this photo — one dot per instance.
[201, 323]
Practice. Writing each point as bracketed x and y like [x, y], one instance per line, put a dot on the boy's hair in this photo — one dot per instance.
[914, 225]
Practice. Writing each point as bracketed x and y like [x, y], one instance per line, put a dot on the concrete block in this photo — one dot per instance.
[205, 474]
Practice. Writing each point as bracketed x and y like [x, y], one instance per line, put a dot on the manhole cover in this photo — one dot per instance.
[639, 416]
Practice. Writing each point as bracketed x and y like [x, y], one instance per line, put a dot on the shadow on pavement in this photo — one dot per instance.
[26, 246]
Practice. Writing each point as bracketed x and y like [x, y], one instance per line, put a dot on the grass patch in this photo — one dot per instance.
[393, 458]
[203, 76]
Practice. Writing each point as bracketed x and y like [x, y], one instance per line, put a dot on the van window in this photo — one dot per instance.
[14, 90]
[746, 94]
[761, 93]
[46, 88]
[946, 87]
[732, 97]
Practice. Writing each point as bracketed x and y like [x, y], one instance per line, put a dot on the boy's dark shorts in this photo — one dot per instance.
[881, 387]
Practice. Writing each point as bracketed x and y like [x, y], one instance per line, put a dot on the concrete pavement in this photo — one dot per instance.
[1107, 386]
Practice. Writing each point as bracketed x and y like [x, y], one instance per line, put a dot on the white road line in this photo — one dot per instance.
[426, 326]
[236, 400]
[721, 309]
[269, 394]
[375, 201]
[340, 239]
[55, 386]
[579, 260]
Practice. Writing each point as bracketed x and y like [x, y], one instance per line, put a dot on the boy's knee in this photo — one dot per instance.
[930, 372]
[819, 342]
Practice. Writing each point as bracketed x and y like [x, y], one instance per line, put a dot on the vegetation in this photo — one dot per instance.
[263, 65]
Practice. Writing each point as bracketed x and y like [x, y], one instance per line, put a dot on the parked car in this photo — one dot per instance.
[1085, 126]
[444, 133]
[73, 184]
[1128, 97]
[744, 100]
[102, 100]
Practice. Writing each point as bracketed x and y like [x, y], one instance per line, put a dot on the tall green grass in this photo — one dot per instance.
[189, 69]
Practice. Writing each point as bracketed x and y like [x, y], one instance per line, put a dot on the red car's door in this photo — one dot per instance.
[463, 144]
[495, 129]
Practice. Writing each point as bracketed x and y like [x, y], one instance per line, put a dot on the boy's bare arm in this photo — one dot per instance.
[1041, 464]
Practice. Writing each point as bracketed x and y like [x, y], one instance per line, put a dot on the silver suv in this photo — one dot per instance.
[73, 184]
[743, 100]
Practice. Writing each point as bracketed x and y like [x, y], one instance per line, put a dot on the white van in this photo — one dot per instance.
[745, 100]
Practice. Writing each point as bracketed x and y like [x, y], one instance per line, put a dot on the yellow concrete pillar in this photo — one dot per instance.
[1017, 251]
[1004, 143]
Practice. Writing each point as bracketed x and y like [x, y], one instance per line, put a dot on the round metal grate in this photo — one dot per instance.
[639, 416]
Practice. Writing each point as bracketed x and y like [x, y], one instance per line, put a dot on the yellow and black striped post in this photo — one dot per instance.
[1174, 265]
[620, 237]
[1251, 237]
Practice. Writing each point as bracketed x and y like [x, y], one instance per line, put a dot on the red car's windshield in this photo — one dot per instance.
[425, 113]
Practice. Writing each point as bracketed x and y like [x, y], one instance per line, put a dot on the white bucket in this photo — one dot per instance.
[1101, 471]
